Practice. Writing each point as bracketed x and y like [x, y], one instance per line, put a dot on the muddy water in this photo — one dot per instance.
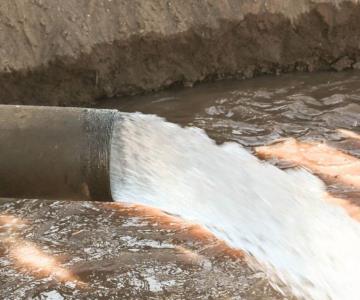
[309, 107]
[54, 250]
[258, 111]
[99, 251]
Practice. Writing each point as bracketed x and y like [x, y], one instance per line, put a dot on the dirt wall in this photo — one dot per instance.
[81, 51]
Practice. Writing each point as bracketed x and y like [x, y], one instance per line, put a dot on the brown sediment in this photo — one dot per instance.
[210, 246]
[332, 165]
[352, 209]
[79, 52]
[350, 134]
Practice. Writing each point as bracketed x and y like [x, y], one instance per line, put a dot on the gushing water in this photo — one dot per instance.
[278, 217]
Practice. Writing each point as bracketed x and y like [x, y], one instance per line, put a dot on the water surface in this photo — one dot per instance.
[92, 250]
[257, 111]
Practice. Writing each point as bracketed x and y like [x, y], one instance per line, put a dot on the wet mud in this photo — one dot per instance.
[81, 52]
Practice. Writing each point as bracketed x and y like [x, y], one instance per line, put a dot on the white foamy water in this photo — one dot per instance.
[278, 217]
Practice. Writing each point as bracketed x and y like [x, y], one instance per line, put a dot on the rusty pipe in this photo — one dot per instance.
[55, 152]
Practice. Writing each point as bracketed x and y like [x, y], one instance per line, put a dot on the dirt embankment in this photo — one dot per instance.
[81, 51]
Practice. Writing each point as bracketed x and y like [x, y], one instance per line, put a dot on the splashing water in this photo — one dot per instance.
[278, 217]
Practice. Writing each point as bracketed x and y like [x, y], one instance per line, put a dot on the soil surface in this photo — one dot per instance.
[79, 51]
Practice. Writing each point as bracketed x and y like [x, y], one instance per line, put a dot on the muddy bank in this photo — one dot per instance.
[76, 52]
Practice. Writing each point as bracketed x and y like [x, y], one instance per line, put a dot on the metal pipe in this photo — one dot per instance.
[55, 152]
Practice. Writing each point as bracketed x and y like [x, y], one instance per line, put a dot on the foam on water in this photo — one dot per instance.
[278, 217]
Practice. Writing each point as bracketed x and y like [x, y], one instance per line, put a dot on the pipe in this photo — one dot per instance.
[55, 152]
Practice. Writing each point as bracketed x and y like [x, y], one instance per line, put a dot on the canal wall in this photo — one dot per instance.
[78, 52]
